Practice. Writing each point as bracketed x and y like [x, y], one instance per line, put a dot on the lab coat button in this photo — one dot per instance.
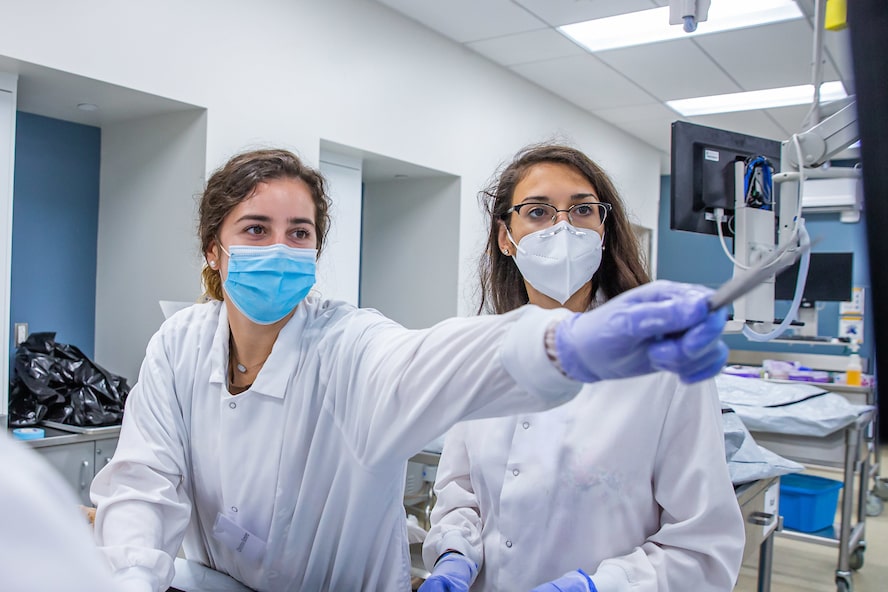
[272, 575]
[525, 425]
[509, 544]
[515, 472]
[234, 509]
[232, 404]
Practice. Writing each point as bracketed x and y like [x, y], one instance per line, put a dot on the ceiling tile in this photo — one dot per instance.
[523, 48]
[751, 123]
[584, 81]
[798, 118]
[670, 70]
[837, 46]
[648, 112]
[769, 56]
[807, 8]
[468, 20]
[566, 12]
[657, 133]
[790, 119]
[623, 86]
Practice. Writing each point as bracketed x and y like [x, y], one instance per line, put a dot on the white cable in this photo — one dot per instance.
[800, 233]
[801, 193]
[804, 240]
[719, 216]
[798, 220]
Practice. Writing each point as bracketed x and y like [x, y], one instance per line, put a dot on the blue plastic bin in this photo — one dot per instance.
[807, 502]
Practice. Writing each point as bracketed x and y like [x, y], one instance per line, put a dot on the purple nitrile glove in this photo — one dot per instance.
[573, 581]
[452, 573]
[658, 326]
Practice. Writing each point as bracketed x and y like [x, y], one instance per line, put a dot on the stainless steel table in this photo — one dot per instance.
[846, 449]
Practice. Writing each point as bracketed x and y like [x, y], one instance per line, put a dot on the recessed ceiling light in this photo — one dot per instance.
[87, 107]
[649, 26]
[758, 99]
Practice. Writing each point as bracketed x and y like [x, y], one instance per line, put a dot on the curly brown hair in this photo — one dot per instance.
[236, 181]
[502, 286]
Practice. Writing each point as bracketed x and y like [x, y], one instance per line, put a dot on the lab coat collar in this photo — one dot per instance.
[283, 361]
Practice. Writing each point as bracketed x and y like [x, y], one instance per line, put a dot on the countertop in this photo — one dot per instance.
[56, 437]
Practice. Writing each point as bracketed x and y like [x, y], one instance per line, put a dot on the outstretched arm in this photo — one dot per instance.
[659, 326]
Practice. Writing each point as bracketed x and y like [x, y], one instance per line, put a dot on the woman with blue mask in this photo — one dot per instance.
[269, 430]
[625, 487]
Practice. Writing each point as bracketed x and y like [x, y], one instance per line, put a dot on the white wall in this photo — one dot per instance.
[287, 73]
[8, 87]
[338, 275]
[152, 174]
[415, 286]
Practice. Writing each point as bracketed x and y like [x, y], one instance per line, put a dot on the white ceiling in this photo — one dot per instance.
[627, 87]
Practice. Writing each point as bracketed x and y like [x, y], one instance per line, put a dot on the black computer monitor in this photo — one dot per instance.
[829, 279]
[702, 176]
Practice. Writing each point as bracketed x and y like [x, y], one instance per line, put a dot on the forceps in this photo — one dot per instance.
[744, 282]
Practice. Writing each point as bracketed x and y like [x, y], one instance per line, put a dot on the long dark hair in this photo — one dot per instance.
[236, 181]
[502, 286]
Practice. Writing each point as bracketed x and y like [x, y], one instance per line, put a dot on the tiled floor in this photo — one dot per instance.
[801, 566]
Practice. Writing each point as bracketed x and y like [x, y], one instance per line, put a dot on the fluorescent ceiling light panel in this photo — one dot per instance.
[758, 99]
[650, 26]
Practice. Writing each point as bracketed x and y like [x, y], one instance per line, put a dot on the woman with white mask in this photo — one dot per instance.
[625, 487]
[269, 430]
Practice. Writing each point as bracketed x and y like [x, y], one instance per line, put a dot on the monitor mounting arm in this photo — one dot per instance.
[827, 138]
[755, 236]
[818, 145]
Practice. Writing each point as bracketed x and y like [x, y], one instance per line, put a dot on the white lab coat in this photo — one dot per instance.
[45, 542]
[305, 471]
[629, 479]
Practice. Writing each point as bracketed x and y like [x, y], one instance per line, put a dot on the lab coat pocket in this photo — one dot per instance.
[241, 541]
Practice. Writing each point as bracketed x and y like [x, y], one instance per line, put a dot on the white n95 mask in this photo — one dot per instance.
[557, 261]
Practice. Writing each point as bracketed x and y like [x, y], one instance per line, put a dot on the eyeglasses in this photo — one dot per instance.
[583, 215]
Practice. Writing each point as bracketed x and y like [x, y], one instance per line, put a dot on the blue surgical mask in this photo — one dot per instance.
[266, 283]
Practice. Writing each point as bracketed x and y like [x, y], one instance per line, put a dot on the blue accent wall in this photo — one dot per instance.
[698, 258]
[55, 228]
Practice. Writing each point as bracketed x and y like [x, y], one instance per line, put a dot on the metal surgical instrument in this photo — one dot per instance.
[742, 283]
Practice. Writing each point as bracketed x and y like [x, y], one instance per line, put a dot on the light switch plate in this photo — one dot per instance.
[21, 333]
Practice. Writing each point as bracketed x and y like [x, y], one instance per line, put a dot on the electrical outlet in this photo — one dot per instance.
[21, 333]
[855, 305]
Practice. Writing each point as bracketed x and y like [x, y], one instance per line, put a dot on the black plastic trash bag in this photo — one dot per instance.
[57, 382]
